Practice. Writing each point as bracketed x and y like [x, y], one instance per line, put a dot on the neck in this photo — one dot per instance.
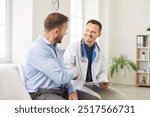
[49, 36]
[89, 44]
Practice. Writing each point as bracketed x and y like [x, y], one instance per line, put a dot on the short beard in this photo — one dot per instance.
[59, 39]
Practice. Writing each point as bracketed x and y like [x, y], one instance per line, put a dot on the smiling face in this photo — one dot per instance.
[92, 32]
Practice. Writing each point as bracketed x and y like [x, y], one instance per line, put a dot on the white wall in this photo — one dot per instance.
[21, 29]
[128, 19]
[91, 10]
[104, 18]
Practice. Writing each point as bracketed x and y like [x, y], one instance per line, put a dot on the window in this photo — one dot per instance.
[76, 20]
[4, 30]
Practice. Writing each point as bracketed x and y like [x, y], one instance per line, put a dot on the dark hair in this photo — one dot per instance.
[95, 22]
[54, 20]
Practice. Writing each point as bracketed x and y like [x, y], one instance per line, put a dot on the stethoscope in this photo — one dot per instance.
[83, 58]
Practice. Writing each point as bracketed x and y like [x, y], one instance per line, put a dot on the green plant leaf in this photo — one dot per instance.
[148, 29]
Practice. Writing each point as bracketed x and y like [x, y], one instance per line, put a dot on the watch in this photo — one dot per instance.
[54, 4]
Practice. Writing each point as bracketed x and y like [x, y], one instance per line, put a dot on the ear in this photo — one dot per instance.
[99, 34]
[56, 31]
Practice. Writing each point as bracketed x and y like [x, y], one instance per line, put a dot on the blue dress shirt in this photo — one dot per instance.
[45, 68]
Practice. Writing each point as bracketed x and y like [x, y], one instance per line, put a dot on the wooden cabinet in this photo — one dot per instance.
[143, 60]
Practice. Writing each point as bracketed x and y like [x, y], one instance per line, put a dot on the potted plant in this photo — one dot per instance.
[121, 62]
[148, 29]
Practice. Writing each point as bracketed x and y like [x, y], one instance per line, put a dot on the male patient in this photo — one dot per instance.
[47, 77]
[87, 55]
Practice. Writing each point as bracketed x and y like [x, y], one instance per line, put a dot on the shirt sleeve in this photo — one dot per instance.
[69, 57]
[102, 75]
[69, 88]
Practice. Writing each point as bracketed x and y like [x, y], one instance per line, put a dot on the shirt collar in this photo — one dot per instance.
[84, 51]
[42, 38]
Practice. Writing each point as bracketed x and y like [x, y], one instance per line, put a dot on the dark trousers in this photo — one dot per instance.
[59, 94]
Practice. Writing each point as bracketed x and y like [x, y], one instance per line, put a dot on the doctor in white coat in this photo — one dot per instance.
[88, 57]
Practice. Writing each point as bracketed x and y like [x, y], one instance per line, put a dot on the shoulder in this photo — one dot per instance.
[72, 49]
[99, 50]
[39, 47]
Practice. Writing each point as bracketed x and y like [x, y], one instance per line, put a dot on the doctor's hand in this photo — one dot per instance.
[73, 96]
[104, 85]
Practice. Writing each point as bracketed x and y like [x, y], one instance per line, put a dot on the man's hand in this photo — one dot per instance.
[76, 78]
[73, 96]
[104, 85]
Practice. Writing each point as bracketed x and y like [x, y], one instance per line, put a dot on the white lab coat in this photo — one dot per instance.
[73, 57]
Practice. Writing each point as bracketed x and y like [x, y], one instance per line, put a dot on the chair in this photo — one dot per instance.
[11, 85]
